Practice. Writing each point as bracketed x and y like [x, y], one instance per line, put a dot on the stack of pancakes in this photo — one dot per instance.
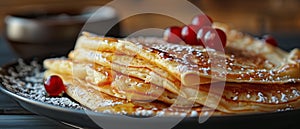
[147, 73]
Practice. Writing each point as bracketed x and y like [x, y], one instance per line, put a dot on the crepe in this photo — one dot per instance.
[253, 61]
[236, 98]
[102, 97]
[111, 83]
[249, 76]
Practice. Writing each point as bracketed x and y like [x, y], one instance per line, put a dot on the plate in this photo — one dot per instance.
[86, 119]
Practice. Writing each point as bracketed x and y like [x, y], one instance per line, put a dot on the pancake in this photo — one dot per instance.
[246, 59]
[103, 99]
[132, 66]
[112, 83]
[258, 77]
[102, 102]
[236, 98]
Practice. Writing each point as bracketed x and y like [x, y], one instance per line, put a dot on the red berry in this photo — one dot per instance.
[222, 36]
[189, 34]
[202, 20]
[173, 34]
[212, 38]
[270, 40]
[54, 86]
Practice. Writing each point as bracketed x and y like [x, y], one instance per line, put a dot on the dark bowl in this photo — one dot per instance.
[40, 33]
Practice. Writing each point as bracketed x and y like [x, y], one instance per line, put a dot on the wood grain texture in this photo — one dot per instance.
[29, 122]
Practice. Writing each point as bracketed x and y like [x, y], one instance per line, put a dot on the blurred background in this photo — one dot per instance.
[255, 16]
[281, 18]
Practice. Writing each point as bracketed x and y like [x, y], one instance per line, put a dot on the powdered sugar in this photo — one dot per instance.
[27, 80]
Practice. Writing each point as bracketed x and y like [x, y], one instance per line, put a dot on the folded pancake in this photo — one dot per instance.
[236, 98]
[246, 59]
[103, 97]
[132, 66]
[113, 83]
[101, 102]
[257, 76]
